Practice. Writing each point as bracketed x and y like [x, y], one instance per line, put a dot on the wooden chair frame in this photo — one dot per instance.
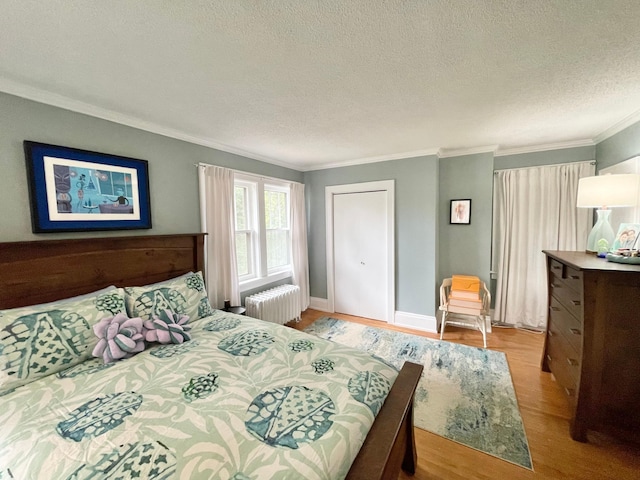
[479, 321]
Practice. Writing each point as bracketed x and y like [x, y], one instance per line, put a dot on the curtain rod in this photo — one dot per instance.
[242, 172]
[592, 162]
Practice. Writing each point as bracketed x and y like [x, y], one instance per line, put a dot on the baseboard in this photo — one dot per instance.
[321, 304]
[425, 323]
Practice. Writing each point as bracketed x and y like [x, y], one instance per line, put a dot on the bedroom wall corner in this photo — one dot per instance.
[466, 249]
[619, 147]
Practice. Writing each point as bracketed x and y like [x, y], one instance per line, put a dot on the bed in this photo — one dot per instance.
[73, 446]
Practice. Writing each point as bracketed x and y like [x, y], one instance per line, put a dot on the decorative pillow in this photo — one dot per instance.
[41, 340]
[119, 337]
[184, 295]
[167, 327]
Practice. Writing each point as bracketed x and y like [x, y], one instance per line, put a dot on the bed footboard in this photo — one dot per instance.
[390, 444]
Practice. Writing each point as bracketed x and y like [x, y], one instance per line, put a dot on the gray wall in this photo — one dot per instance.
[619, 147]
[416, 188]
[427, 247]
[172, 176]
[466, 249]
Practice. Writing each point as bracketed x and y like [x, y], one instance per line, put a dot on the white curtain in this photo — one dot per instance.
[299, 255]
[218, 221]
[534, 209]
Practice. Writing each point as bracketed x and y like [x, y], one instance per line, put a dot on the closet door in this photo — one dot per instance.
[361, 254]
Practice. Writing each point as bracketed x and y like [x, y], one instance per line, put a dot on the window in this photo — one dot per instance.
[276, 217]
[263, 236]
[244, 198]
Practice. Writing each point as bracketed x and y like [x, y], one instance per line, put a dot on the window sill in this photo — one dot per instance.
[260, 282]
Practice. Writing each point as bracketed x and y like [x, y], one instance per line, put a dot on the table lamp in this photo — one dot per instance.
[603, 192]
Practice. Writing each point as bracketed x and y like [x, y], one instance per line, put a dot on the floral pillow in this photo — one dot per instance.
[41, 340]
[184, 295]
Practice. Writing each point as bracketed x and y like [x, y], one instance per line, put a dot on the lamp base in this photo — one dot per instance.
[601, 236]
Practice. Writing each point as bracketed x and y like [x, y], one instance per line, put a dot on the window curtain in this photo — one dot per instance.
[299, 254]
[218, 221]
[534, 209]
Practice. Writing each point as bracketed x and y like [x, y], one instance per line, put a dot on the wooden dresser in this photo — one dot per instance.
[592, 345]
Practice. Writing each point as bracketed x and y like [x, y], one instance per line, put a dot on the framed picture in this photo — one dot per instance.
[628, 237]
[75, 190]
[460, 212]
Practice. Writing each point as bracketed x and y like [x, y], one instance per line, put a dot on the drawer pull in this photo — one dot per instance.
[574, 277]
[555, 286]
[549, 359]
[576, 302]
[572, 362]
[569, 391]
[575, 331]
[555, 309]
[557, 267]
[551, 334]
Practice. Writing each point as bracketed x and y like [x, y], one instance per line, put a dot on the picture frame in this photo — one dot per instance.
[73, 190]
[460, 212]
[627, 238]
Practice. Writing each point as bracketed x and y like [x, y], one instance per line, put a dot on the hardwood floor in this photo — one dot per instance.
[545, 413]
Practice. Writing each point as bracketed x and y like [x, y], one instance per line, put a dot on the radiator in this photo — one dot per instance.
[278, 305]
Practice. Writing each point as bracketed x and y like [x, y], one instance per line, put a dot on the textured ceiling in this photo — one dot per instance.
[312, 83]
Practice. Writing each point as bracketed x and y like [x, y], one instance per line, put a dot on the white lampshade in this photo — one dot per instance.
[602, 192]
[608, 191]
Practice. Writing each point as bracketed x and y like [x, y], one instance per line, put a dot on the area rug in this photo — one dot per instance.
[465, 393]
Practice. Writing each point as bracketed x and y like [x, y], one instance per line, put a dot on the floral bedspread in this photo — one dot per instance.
[244, 399]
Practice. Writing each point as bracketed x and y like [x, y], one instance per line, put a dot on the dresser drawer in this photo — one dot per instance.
[566, 368]
[570, 276]
[571, 299]
[556, 268]
[565, 324]
[573, 279]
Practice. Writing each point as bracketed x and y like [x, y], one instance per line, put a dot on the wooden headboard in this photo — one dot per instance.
[48, 270]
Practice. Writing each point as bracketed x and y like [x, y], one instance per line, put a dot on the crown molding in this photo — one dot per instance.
[49, 98]
[544, 147]
[446, 153]
[618, 127]
[376, 159]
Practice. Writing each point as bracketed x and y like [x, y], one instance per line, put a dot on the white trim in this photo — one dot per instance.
[425, 323]
[384, 185]
[444, 153]
[502, 152]
[61, 101]
[379, 158]
[262, 281]
[618, 127]
[321, 304]
[49, 98]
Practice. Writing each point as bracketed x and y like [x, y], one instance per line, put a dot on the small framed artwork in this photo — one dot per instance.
[628, 237]
[460, 212]
[75, 190]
